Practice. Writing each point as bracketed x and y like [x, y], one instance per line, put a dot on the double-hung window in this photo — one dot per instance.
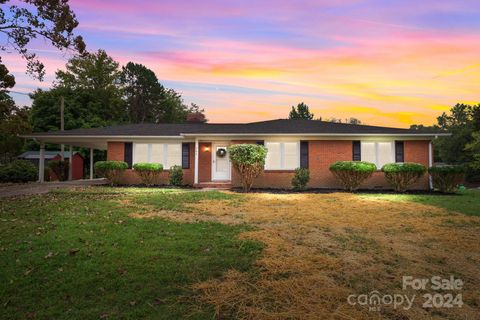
[282, 155]
[379, 153]
[168, 154]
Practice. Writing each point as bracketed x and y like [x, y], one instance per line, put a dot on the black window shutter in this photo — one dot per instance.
[185, 155]
[357, 151]
[128, 153]
[303, 154]
[261, 142]
[399, 157]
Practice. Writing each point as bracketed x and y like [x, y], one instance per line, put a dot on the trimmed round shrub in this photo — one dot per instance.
[300, 179]
[447, 178]
[148, 172]
[351, 174]
[112, 170]
[18, 171]
[248, 160]
[402, 175]
[175, 176]
[59, 168]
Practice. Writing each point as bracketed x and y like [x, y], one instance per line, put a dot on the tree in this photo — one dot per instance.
[301, 112]
[195, 114]
[92, 95]
[13, 120]
[248, 160]
[463, 122]
[143, 93]
[52, 20]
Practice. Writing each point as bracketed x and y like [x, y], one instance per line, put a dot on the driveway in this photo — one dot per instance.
[25, 189]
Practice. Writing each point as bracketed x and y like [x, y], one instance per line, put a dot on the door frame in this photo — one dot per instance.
[215, 145]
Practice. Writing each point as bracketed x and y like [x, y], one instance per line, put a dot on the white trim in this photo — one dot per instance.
[317, 134]
[196, 162]
[182, 135]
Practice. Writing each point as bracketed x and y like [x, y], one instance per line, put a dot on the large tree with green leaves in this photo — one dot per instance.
[301, 112]
[89, 85]
[13, 120]
[143, 93]
[463, 122]
[22, 21]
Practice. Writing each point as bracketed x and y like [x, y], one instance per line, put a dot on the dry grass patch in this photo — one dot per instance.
[322, 247]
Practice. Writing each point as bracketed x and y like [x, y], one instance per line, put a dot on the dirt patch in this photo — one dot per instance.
[320, 248]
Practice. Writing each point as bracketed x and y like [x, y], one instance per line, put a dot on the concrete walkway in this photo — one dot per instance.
[25, 189]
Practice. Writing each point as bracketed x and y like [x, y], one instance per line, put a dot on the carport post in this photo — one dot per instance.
[41, 163]
[91, 163]
[70, 164]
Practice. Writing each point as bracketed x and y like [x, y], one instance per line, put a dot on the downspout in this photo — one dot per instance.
[430, 162]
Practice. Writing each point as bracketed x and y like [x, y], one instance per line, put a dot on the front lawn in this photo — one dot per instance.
[137, 253]
[78, 255]
[467, 202]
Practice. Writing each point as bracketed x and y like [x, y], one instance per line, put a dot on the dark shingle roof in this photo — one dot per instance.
[280, 126]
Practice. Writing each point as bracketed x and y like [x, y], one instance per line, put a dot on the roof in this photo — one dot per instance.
[48, 154]
[279, 126]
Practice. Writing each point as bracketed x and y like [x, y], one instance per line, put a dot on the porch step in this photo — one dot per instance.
[225, 185]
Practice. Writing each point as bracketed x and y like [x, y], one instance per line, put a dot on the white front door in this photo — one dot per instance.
[221, 167]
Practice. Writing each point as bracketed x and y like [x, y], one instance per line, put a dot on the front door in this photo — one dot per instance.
[221, 167]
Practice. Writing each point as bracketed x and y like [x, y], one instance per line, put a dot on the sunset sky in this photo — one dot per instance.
[390, 63]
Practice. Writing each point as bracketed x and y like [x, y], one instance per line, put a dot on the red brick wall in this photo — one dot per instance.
[116, 151]
[417, 151]
[322, 153]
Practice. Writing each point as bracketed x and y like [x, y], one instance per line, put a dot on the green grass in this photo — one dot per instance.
[467, 202]
[78, 255]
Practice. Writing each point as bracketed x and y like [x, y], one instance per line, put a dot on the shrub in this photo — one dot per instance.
[248, 160]
[300, 179]
[402, 175]
[176, 176]
[447, 178]
[112, 170]
[60, 168]
[352, 173]
[148, 172]
[18, 171]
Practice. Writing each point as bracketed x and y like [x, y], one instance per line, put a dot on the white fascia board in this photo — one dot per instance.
[97, 137]
[316, 134]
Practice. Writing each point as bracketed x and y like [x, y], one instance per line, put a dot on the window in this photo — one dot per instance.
[379, 153]
[282, 155]
[168, 154]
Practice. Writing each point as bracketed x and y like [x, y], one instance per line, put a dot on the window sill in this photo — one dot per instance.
[280, 171]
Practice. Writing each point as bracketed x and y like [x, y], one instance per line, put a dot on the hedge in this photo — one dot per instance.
[248, 160]
[351, 174]
[18, 171]
[402, 175]
[148, 172]
[447, 178]
[300, 179]
[112, 170]
[175, 176]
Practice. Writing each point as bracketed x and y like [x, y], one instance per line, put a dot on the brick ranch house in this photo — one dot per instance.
[291, 144]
